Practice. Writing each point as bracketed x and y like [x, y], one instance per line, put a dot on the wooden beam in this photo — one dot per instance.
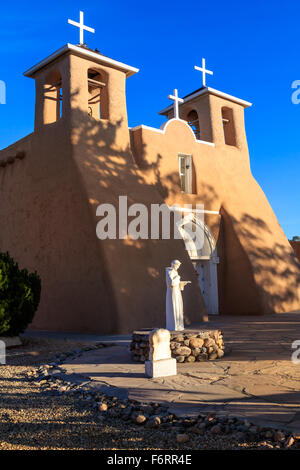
[95, 83]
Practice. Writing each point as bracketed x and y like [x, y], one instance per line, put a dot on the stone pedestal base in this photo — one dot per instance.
[161, 368]
[186, 346]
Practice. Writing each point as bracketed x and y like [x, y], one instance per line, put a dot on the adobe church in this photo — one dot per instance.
[82, 153]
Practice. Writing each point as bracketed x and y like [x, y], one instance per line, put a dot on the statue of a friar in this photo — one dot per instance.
[174, 303]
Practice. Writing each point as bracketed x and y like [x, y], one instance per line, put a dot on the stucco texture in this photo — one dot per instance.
[48, 204]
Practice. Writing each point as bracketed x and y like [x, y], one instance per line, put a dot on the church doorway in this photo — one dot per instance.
[205, 261]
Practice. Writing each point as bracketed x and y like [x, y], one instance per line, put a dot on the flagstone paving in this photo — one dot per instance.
[256, 378]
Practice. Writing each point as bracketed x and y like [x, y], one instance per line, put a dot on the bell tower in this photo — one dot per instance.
[214, 116]
[76, 84]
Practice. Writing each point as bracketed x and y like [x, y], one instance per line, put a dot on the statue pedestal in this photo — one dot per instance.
[187, 346]
[161, 368]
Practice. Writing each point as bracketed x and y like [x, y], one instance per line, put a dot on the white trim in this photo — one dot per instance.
[211, 212]
[187, 209]
[84, 53]
[143, 126]
[188, 165]
[164, 127]
[221, 94]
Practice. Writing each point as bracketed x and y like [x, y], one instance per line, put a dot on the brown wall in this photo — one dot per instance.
[296, 248]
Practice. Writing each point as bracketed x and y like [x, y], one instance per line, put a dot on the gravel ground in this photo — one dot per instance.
[40, 414]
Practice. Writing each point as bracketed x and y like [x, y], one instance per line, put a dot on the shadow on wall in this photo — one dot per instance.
[270, 263]
[296, 247]
[259, 276]
[135, 268]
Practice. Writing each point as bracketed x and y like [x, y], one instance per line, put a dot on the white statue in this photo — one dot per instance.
[174, 303]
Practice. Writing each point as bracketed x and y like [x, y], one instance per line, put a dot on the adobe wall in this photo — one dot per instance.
[258, 270]
[48, 228]
[296, 248]
[136, 269]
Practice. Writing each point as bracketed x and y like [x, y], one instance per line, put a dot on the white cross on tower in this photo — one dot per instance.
[176, 101]
[204, 72]
[81, 27]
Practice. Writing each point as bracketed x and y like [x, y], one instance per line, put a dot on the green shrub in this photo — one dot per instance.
[19, 296]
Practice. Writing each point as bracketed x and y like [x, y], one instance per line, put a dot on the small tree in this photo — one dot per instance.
[19, 296]
[296, 239]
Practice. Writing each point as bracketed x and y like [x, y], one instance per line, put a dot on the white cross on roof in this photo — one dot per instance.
[204, 72]
[81, 27]
[176, 100]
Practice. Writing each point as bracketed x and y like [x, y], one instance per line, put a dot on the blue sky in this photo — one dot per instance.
[252, 47]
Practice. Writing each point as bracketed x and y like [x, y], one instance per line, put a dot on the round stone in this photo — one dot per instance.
[182, 438]
[213, 356]
[182, 351]
[216, 429]
[196, 343]
[253, 429]
[290, 441]
[103, 407]
[140, 419]
[279, 436]
[154, 421]
[178, 338]
[180, 358]
[202, 357]
[196, 352]
[208, 342]
[190, 359]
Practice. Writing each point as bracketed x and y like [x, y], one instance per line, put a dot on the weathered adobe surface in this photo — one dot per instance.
[186, 346]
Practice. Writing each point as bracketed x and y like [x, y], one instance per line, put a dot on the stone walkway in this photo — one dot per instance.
[256, 378]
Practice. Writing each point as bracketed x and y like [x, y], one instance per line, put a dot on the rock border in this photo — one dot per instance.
[186, 346]
[50, 379]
